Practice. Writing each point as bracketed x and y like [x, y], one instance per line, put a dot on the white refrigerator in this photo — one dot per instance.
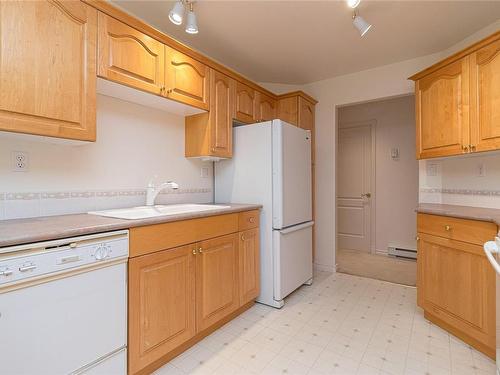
[271, 166]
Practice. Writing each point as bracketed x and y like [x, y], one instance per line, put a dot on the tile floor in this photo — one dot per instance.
[342, 324]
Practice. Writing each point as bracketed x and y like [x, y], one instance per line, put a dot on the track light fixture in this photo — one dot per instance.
[353, 3]
[176, 16]
[360, 24]
[191, 24]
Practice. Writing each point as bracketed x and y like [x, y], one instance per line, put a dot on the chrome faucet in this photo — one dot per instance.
[152, 191]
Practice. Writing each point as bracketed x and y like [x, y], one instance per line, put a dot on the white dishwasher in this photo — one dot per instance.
[63, 306]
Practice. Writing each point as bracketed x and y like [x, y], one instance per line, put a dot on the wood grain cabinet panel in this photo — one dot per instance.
[306, 114]
[288, 110]
[217, 284]
[211, 134]
[245, 103]
[442, 111]
[249, 268]
[457, 290]
[130, 57]
[161, 304]
[48, 68]
[267, 107]
[455, 282]
[187, 80]
[485, 98]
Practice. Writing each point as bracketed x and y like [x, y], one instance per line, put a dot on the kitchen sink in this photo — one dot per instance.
[144, 212]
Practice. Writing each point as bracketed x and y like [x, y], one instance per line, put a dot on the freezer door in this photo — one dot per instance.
[292, 249]
[292, 200]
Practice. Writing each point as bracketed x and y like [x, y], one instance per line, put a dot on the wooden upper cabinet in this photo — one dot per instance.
[217, 285]
[211, 134]
[267, 107]
[288, 110]
[249, 255]
[186, 79]
[48, 68]
[306, 114]
[442, 111]
[130, 57]
[161, 304]
[245, 104]
[485, 98]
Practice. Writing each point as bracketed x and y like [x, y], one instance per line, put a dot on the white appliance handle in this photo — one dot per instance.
[297, 227]
[490, 248]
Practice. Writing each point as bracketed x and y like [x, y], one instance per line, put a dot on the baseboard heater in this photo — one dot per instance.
[401, 252]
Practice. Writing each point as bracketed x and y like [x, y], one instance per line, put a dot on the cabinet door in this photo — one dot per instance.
[221, 114]
[306, 114]
[442, 111]
[288, 110]
[266, 107]
[485, 98]
[161, 304]
[130, 57]
[249, 254]
[187, 80]
[216, 280]
[245, 105]
[48, 68]
[457, 286]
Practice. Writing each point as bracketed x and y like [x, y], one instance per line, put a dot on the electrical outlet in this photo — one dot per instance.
[481, 170]
[204, 172]
[20, 161]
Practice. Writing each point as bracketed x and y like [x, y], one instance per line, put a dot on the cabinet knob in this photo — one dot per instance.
[417, 238]
[447, 227]
[465, 148]
[242, 237]
[200, 250]
[213, 149]
[194, 251]
[473, 148]
[252, 220]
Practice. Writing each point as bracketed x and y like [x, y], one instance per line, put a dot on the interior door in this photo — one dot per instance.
[354, 188]
[292, 188]
[217, 286]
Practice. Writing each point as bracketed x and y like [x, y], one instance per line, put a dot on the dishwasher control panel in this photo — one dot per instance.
[53, 257]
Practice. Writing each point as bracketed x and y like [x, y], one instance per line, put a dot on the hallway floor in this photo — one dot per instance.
[342, 324]
[377, 266]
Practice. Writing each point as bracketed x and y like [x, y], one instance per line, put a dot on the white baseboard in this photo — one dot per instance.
[324, 267]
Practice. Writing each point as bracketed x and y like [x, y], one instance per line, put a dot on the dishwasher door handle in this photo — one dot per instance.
[490, 248]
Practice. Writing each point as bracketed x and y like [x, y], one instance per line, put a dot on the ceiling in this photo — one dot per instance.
[298, 42]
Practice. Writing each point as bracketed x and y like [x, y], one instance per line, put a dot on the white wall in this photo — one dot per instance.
[134, 143]
[381, 82]
[396, 181]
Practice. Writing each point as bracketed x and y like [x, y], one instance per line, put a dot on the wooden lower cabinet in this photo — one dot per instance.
[161, 304]
[217, 292]
[249, 265]
[456, 286]
[179, 295]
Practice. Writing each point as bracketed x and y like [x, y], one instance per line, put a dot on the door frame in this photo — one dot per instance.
[372, 125]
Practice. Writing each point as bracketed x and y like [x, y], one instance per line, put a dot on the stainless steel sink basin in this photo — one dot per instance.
[144, 212]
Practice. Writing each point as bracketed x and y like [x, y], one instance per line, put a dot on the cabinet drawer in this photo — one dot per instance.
[248, 220]
[151, 238]
[471, 231]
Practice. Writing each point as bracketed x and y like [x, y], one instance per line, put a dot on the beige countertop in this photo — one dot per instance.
[20, 231]
[463, 212]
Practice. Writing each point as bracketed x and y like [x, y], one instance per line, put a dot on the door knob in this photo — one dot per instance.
[367, 195]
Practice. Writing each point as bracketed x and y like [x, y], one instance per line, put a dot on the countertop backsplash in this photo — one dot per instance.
[134, 145]
[472, 180]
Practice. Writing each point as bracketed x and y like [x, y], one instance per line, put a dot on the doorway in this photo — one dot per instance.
[377, 189]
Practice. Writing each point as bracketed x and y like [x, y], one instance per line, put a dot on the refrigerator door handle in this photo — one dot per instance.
[296, 227]
[490, 248]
